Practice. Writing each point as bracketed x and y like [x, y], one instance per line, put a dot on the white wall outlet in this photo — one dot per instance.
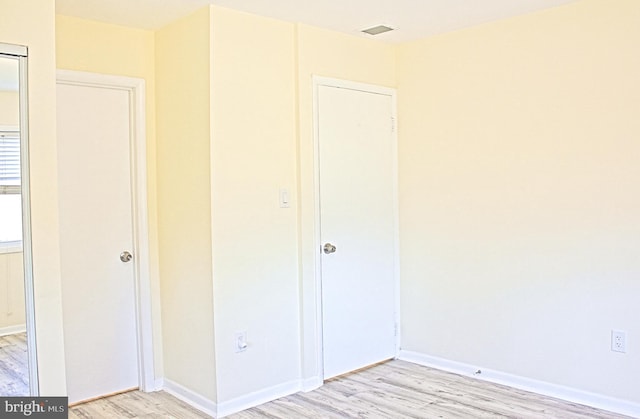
[240, 342]
[619, 341]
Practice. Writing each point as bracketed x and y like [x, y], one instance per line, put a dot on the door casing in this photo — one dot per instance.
[136, 90]
[20, 53]
[316, 310]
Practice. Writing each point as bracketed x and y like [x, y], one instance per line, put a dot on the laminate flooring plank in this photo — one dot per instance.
[14, 350]
[481, 403]
[95, 409]
[407, 404]
[14, 374]
[333, 407]
[132, 404]
[373, 406]
[298, 404]
[176, 406]
[136, 404]
[344, 406]
[394, 390]
[106, 408]
[399, 405]
[401, 387]
[482, 393]
[436, 406]
[292, 406]
[272, 413]
[414, 403]
[527, 403]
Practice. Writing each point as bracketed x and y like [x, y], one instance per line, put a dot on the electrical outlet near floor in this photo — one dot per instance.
[619, 341]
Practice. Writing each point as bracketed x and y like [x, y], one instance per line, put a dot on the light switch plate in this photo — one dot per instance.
[285, 199]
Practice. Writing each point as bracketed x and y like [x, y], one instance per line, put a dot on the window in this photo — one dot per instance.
[10, 196]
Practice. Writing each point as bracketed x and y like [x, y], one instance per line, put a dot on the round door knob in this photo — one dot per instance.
[329, 248]
[126, 256]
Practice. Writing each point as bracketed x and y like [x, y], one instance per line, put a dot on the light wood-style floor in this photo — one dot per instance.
[396, 389]
[14, 376]
[136, 404]
[399, 389]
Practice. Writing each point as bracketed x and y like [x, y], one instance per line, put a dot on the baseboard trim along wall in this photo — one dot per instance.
[258, 397]
[190, 397]
[266, 395]
[310, 384]
[239, 403]
[158, 385]
[540, 387]
[12, 330]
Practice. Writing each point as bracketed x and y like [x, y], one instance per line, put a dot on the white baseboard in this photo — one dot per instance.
[158, 384]
[234, 405]
[310, 384]
[190, 397]
[523, 383]
[258, 397]
[12, 330]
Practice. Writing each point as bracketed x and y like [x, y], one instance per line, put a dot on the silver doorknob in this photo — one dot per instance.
[329, 248]
[126, 256]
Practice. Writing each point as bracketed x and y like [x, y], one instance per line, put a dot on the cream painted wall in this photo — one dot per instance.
[255, 64]
[12, 311]
[184, 202]
[520, 220]
[329, 54]
[32, 23]
[253, 155]
[117, 50]
[9, 109]
[510, 232]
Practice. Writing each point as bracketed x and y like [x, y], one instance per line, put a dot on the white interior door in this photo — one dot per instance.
[357, 216]
[98, 288]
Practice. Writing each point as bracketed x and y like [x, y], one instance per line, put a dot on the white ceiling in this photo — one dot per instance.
[414, 19]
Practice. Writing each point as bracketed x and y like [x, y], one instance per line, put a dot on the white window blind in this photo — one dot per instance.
[9, 162]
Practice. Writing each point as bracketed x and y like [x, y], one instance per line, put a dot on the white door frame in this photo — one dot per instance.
[21, 54]
[138, 151]
[317, 291]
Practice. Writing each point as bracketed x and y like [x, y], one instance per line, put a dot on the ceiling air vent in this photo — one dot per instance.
[377, 30]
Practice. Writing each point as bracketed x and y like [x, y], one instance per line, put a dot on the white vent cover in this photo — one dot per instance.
[377, 30]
